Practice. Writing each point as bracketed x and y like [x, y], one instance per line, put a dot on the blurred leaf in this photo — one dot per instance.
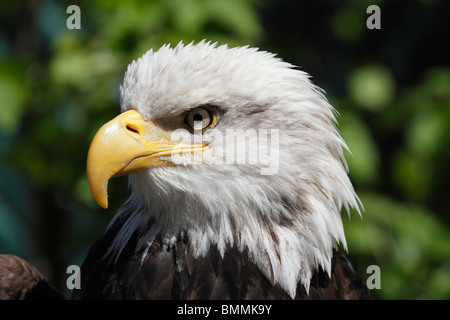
[437, 84]
[372, 87]
[412, 174]
[82, 192]
[409, 243]
[348, 24]
[14, 93]
[436, 288]
[364, 160]
[428, 132]
[71, 68]
[189, 15]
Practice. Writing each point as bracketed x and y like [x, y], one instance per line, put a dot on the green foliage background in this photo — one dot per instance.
[390, 86]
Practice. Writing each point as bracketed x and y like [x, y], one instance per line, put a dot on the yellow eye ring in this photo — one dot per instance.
[200, 118]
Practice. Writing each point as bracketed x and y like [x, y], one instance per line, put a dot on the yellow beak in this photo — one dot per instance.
[125, 144]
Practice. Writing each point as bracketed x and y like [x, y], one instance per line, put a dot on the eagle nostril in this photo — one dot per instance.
[132, 129]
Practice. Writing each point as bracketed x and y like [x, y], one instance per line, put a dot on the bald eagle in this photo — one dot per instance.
[238, 179]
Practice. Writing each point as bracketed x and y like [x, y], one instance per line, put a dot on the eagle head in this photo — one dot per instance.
[227, 147]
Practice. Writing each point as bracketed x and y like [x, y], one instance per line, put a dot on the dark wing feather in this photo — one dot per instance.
[19, 280]
[176, 274]
[344, 284]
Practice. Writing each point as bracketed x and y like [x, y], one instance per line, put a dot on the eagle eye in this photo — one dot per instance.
[200, 118]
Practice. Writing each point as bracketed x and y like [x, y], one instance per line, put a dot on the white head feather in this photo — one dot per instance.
[288, 220]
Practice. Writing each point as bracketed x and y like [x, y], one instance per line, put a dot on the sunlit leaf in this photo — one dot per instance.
[428, 132]
[71, 68]
[372, 87]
